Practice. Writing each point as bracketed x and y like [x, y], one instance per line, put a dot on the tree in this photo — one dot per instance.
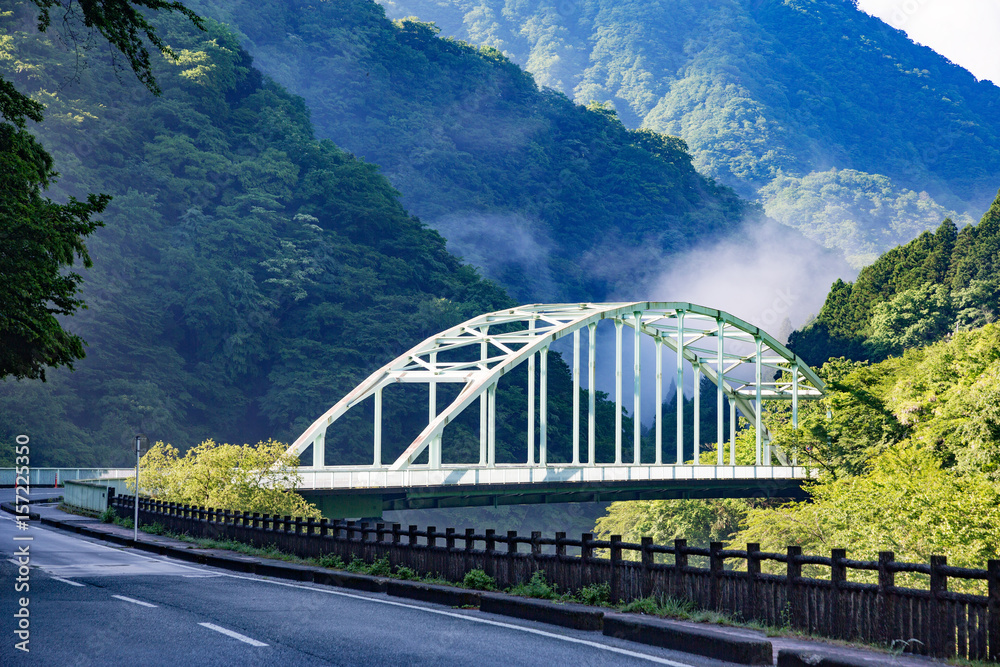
[248, 478]
[38, 237]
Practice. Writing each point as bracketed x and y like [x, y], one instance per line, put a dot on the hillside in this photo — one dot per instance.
[555, 201]
[247, 274]
[841, 126]
[913, 295]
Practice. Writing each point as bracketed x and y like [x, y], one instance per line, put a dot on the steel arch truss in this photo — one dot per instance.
[737, 357]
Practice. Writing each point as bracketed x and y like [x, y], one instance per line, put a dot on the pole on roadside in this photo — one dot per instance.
[140, 440]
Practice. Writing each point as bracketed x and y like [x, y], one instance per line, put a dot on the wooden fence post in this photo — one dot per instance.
[993, 609]
[489, 558]
[511, 553]
[586, 558]
[431, 536]
[838, 575]
[647, 566]
[412, 536]
[680, 564]
[886, 611]
[940, 643]
[753, 580]
[616, 568]
[396, 529]
[715, 566]
[560, 548]
[793, 578]
[449, 538]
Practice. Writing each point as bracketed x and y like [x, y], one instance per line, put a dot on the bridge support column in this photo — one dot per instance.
[618, 391]
[483, 402]
[680, 387]
[637, 388]
[720, 423]
[491, 454]
[592, 398]
[319, 450]
[732, 432]
[659, 400]
[531, 402]
[378, 427]
[543, 408]
[697, 415]
[757, 407]
[795, 412]
[576, 397]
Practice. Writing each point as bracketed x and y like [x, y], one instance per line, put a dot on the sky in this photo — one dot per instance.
[967, 32]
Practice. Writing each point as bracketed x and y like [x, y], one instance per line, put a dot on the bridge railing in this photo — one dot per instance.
[932, 620]
[56, 476]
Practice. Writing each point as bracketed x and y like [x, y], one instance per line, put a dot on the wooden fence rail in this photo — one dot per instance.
[932, 621]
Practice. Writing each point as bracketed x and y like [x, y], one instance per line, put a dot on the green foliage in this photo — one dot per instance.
[536, 587]
[595, 594]
[913, 295]
[405, 573]
[908, 455]
[486, 156]
[906, 502]
[860, 214]
[108, 515]
[247, 276]
[769, 94]
[246, 478]
[479, 580]
[152, 528]
[331, 560]
[357, 565]
[698, 521]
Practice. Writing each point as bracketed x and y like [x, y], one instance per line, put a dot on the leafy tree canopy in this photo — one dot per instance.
[913, 295]
[249, 478]
[38, 237]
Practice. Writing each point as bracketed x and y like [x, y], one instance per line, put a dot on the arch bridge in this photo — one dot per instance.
[746, 366]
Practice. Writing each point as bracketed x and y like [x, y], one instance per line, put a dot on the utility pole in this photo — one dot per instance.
[140, 440]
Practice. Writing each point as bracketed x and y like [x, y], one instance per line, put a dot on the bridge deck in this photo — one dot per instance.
[477, 487]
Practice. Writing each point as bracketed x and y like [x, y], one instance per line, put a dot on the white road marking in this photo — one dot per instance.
[484, 621]
[471, 619]
[134, 601]
[67, 581]
[230, 633]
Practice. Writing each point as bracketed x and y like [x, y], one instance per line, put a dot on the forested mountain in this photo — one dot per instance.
[911, 296]
[556, 202]
[841, 126]
[242, 265]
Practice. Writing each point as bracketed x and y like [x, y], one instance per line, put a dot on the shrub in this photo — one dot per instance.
[380, 568]
[331, 560]
[595, 594]
[153, 528]
[479, 580]
[536, 587]
[108, 515]
[406, 573]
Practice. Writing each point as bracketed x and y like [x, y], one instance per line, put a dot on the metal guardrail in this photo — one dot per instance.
[56, 476]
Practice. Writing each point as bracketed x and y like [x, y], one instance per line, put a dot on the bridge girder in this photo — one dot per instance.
[527, 332]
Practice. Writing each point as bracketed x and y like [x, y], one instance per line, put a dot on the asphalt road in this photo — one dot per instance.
[90, 603]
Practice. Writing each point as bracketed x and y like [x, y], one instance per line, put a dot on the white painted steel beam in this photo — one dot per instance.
[511, 337]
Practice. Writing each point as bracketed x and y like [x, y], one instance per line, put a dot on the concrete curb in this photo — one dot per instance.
[798, 658]
[444, 595]
[576, 616]
[700, 641]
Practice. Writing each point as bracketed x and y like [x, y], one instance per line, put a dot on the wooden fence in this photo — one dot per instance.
[932, 621]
